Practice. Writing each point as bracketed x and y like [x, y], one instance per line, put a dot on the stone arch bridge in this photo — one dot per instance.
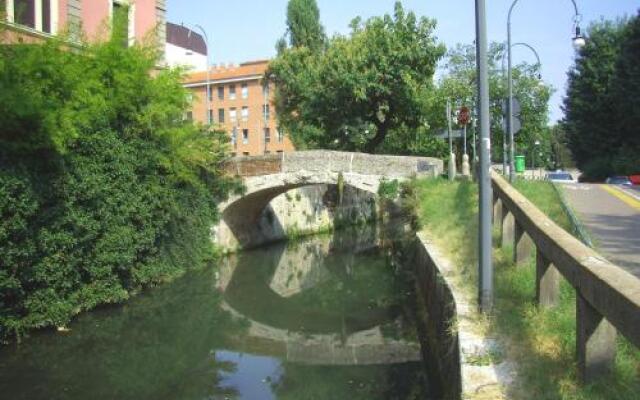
[268, 177]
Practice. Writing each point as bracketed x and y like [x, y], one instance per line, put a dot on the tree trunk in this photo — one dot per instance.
[377, 140]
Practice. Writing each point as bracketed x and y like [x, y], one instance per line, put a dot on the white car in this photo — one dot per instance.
[561, 177]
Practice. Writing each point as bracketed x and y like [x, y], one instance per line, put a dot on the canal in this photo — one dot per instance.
[328, 317]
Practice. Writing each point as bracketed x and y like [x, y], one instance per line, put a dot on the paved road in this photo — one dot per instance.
[612, 216]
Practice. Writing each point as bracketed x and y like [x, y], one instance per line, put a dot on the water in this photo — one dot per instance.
[325, 318]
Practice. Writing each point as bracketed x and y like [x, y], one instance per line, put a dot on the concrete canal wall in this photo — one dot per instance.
[458, 355]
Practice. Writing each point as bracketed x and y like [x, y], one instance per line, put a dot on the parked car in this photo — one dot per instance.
[635, 179]
[619, 180]
[560, 176]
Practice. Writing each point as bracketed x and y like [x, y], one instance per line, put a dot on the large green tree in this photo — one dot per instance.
[363, 87]
[590, 108]
[625, 93]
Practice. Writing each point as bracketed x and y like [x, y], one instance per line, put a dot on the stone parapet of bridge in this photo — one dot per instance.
[335, 161]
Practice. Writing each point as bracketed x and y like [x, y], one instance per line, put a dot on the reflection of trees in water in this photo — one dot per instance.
[402, 381]
[157, 346]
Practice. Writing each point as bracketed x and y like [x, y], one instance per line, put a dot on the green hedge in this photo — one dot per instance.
[104, 188]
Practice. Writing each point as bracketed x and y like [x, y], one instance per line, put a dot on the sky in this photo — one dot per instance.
[249, 29]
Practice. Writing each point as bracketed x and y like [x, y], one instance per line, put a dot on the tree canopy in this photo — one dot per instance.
[601, 106]
[459, 85]
[363, 87]
[303, 25]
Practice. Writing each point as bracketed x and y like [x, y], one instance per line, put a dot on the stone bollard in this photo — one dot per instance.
[466, 170]
[452, 166]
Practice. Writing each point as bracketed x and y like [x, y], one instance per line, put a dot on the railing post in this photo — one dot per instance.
[547, 281]
[497, 218]
[508, 227]
[497, 211]
[595, 342]
[522, 244]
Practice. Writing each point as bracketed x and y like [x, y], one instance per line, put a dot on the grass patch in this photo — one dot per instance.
[541, 341]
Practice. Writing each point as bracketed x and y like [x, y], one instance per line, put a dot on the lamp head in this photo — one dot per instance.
[578, 40]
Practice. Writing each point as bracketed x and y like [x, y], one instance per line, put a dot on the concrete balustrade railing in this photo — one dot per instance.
[608, 297]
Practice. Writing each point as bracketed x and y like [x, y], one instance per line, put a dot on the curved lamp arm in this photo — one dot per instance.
[578, 39]
[527, 45]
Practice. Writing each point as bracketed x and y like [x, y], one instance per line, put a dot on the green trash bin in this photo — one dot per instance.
[520, 165]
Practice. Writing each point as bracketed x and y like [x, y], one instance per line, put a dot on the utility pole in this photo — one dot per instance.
[485, 275]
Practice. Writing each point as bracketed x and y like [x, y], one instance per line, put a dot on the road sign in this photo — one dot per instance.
[455, 134]
[517, 108]
[517, 125]
[464, 116]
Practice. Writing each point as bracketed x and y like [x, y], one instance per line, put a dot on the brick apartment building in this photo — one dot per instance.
[242, 104]
[32, 21]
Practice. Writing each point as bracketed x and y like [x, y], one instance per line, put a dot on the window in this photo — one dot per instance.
[220, 92]
[245, 91]
[245, 113]
[210, 117]
[24, 12]
[234, 136]
[280, 135]
[189, 116]
[36, 14]
[46, 15]
[245, 153]
[267, 135]
[232, 92]
[266, 112]
[208, 88]
[221, 115]
[189, 97]
[233, 115]
[245, 136]
[266, 91]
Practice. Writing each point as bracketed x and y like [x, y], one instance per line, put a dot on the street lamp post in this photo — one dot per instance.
[207, 112]
[485, 275]
[504, 73]
[578, 41]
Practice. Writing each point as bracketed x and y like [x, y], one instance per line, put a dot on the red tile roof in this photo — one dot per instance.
[251, 68]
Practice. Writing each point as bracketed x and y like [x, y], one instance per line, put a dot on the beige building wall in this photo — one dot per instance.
[252, 131]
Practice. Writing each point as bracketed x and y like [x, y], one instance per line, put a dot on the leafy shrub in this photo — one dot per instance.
[104, 187]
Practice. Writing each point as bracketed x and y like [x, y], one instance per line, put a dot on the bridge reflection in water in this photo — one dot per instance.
[329, 301]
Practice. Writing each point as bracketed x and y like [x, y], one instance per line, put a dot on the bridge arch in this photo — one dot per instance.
[268, 177]
[241, 214]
